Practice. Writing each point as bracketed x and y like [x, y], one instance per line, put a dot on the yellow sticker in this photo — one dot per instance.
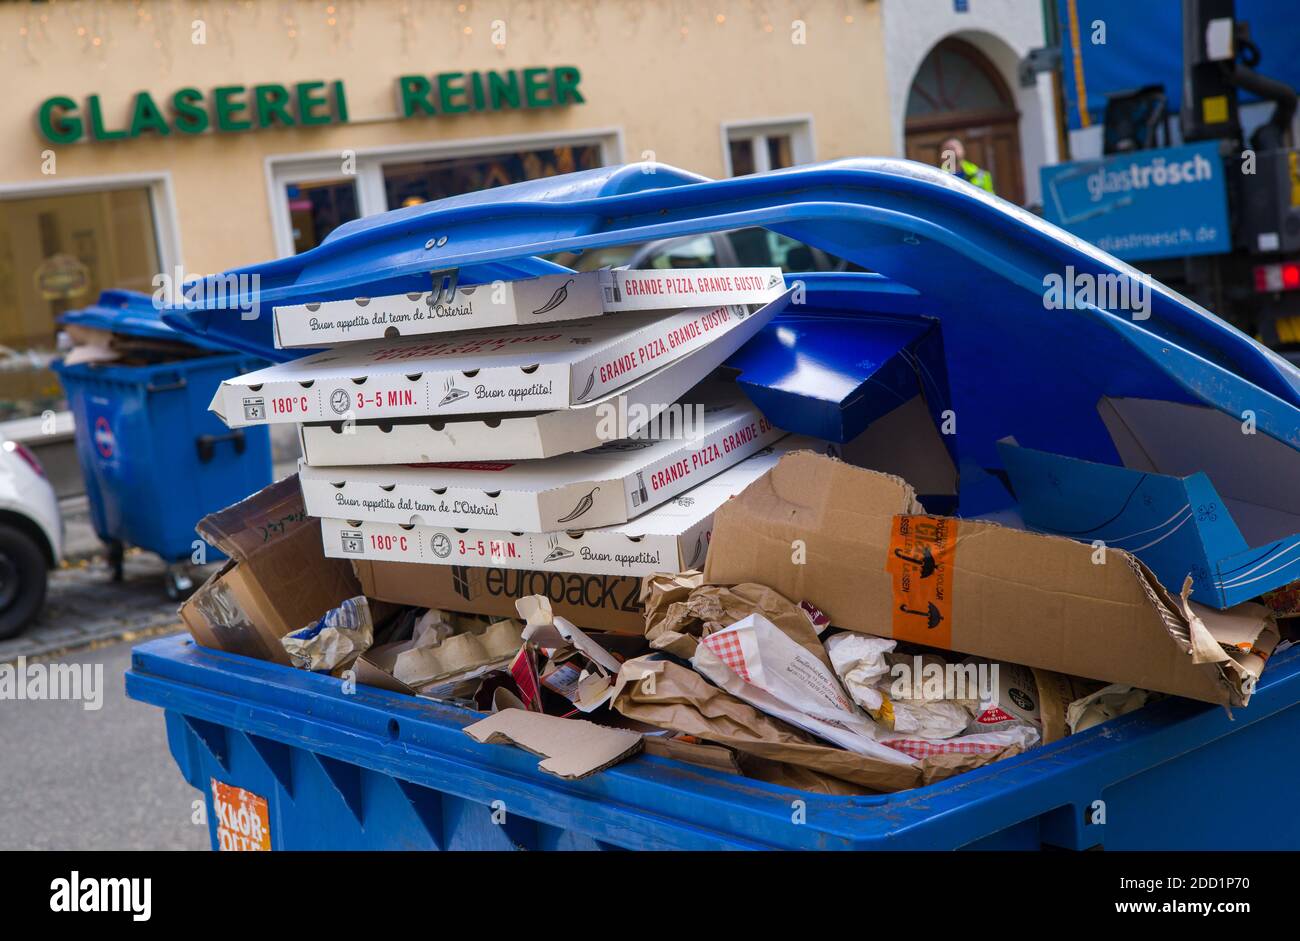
[1214, 109]
[243, 823]
[1293, 159]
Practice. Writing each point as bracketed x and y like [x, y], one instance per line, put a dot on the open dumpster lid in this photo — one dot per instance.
[1016, 365]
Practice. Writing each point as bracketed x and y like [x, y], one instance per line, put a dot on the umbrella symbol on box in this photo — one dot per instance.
[932, 616]
[927, 563]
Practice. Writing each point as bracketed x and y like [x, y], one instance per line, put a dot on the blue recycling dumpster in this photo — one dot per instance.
[313, 765]
[155, 461]
[370, 769]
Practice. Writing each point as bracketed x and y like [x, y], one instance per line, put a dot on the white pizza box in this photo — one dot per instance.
[672, 537]
[527, 302]
[519, 369]
[610, 484]
[516, 437]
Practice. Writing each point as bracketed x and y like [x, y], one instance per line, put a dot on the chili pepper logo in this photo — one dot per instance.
[583, 506]
[559, 297]
[586, 390]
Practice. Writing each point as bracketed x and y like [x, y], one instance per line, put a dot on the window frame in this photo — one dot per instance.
[798, 127]
[284, 169]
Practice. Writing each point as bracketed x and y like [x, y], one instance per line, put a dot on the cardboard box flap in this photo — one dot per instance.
[872, 564]
[248, 527]
[572, 748]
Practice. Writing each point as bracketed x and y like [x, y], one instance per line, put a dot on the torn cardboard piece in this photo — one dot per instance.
[572, 748]
[608, 485]
[277, 580]
[632, 410]
[526, 302]
[875, 564]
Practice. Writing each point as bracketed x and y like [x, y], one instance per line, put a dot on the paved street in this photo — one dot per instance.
[87, 780]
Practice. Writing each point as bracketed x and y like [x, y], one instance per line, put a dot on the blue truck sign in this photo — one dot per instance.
[1164, 203]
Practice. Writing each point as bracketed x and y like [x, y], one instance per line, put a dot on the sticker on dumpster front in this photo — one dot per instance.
[921, 550]
[243, 823]
[105, 443]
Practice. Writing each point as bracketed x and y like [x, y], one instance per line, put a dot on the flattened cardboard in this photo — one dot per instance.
[520, 369]
[1008, 595]
[1178, 526]
[511, 436]
[573, 748]
[608, 485]
[596, 602]
[670, 538]
[546, 299]
[278, 579]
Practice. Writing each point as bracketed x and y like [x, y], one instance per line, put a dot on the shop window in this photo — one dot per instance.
[57, 253]
[317, 208]
[409, 184]
[752, 149]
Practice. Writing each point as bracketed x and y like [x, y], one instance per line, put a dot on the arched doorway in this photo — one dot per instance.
[958, 92]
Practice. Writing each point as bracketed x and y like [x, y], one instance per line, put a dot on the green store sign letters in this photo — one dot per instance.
[236, 108]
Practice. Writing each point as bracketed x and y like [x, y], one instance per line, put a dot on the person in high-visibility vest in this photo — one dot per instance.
[952, 157]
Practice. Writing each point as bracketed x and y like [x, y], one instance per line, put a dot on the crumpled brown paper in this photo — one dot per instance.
[680, 609]
[663, 694]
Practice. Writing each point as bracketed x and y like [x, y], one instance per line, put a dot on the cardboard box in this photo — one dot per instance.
[512, 436]
[278, 579]
[568, 296]
[672, 537]
[519, 369]
[873, 562]
[596, 602]
[611, 484]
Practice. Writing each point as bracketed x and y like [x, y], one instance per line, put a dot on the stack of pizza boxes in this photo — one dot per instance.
[570, 424]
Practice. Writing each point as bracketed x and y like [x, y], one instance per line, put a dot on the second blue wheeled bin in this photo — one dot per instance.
[155, 460]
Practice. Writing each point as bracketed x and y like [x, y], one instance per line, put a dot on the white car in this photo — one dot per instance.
[31, 536]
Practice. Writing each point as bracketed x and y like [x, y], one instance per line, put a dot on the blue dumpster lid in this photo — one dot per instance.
[132, 314]
[979, 265]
